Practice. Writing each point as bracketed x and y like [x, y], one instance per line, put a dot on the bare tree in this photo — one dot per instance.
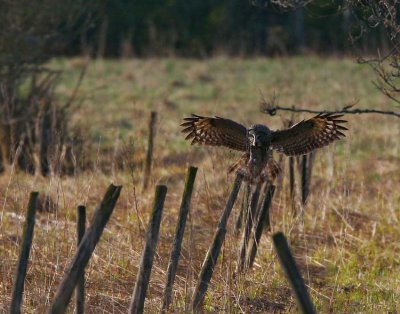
[383, 15]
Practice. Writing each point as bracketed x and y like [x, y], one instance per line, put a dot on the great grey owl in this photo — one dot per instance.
[258, 141]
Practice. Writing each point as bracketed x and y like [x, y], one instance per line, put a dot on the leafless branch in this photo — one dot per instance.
[271, 107]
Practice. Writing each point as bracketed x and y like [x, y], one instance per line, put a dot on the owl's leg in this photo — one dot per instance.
[271, 170]
[240, 167]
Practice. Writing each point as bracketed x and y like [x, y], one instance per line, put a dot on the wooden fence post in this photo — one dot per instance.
[263, 222]
[86, 247]
[180, 229]
[215, 248]
[149, 154]
[304, 179]
[291, 185]
[146, 264]
[243, 208]
[80, 287]
[306, 171]
[249, 223]
[289, 265]
[27, 236]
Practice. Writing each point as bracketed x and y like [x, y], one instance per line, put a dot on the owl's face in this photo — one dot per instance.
[259, 136]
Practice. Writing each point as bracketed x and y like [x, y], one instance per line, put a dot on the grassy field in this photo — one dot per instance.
[347, 244]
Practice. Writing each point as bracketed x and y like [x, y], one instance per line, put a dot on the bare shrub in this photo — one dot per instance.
[34, 127]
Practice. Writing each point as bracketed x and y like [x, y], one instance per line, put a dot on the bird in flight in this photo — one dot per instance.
[257, 142]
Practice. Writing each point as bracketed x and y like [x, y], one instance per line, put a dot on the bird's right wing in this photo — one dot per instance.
[215, 131]
[308, 135]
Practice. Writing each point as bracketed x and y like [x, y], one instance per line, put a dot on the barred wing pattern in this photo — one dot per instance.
[308, 135]
[215, 131]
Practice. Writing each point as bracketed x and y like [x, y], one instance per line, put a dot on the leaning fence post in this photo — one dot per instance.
[180, 229]
[289, 265]
[149, 154]
[262, 223]
[92, 235]
[215, 248]
[146, 263]
[249, 223]
[80, 287]
[27, 237]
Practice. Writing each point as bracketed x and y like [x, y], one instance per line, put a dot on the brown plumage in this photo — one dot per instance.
[308, 135]
[258, 141]
[215, 131]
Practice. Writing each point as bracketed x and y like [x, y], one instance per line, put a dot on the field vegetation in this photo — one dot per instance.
[346, 242]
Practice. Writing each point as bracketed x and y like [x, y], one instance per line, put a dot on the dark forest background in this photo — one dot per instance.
[201, 28]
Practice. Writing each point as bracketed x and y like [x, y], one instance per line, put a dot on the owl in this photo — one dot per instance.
[258, 141]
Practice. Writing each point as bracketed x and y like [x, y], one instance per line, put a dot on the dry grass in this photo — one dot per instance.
[347, 244]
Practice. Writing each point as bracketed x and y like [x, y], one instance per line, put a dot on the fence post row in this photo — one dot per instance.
[215, 248]
[75, 270]
[176, 246]
[289, 265]
[146, 264]
[80, 287]
[27, 236]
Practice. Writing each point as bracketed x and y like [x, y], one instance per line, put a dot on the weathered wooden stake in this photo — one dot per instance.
[180, 229]
[150, 145]
[146, 263]
[306, 171]
[86, 247]
[215, 248]
[243, 208]
[304, 179]
[289, 265]
[27, 236]
[250, 222]
[291, 185]
[80, 287]
[263, 222]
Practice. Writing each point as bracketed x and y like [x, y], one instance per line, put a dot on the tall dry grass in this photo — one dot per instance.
[345, 242]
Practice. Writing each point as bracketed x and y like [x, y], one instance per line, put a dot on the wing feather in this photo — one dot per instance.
[308, 135]
[215, 131]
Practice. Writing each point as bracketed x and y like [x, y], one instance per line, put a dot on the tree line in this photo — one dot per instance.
[202, 28]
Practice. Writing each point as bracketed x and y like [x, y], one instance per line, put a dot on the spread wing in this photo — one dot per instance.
[215, 131]
[308, 135]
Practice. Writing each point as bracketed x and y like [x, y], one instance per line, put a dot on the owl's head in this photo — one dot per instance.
[259, 135]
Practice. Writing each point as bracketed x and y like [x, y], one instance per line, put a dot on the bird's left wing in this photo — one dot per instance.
[308, 135]
[215, 131]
